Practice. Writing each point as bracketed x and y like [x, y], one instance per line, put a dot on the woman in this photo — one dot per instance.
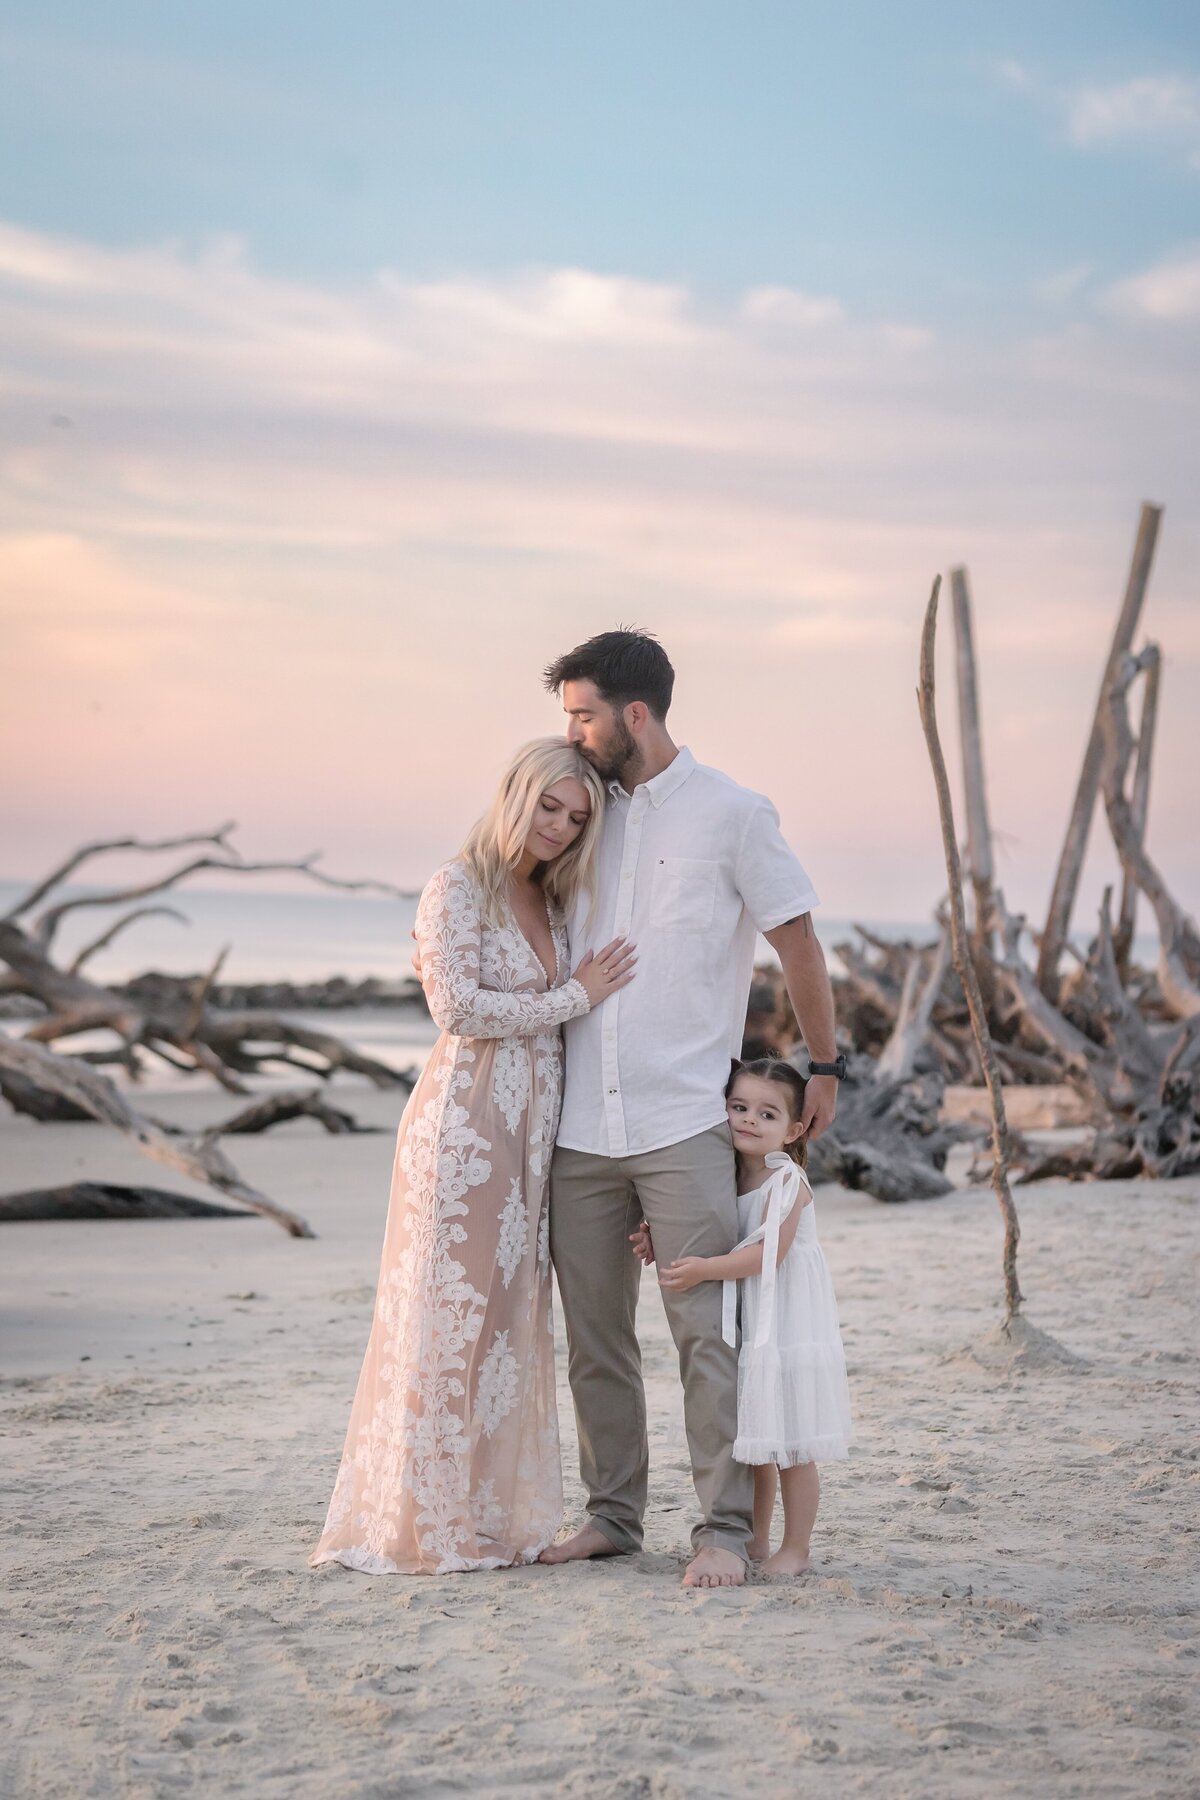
[451, 1460]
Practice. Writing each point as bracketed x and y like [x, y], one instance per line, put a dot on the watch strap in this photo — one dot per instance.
[837, 1068]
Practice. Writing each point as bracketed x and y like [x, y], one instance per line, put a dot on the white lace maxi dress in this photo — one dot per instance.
[793, 1397]
[451, 1460]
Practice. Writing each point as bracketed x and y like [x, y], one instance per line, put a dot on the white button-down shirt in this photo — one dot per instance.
[691, 868]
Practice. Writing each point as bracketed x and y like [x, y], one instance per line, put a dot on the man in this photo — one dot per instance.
[690, 866]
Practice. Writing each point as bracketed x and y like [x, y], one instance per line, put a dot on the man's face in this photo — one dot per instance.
[599, 734]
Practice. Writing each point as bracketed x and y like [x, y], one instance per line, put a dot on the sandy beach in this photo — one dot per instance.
[1005, 1599]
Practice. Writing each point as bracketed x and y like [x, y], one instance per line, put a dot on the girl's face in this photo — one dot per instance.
[560, 816]
[758, 1115]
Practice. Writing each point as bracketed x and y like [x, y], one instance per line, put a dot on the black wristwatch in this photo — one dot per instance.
[837, 1068]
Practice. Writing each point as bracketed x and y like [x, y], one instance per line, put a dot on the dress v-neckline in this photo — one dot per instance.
[530, 946]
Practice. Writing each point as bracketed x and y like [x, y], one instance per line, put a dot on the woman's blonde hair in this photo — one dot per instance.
[495, 842]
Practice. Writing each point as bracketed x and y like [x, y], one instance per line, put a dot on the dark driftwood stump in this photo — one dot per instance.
[109, 1200]
[25, 1096]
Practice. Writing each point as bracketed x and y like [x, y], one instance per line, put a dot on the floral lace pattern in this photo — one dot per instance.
[514, 1233]
[451, 1459]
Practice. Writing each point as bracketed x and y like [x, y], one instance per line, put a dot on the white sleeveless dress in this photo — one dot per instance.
[793, 1398]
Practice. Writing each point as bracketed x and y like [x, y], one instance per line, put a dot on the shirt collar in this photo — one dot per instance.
[664, 784]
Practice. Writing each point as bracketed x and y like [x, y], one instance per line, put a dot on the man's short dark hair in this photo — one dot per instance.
[625, 666]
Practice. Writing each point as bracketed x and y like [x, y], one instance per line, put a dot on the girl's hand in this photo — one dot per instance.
[607, 970]
[643, 1244]
[687, 1273]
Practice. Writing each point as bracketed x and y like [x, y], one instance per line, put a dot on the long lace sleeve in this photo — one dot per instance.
[448, 933]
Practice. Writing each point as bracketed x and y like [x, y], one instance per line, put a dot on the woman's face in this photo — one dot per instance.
[562, 812]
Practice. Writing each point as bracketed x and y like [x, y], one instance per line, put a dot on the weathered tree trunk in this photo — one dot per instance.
[963, 962]
[1179, 945]
[1066, 880]
[979, 830]
[1140, 803]
[922, 985]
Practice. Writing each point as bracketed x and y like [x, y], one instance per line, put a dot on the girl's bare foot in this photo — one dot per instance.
[758, 1552]
[713, 1567]
[581, 1545]
[787, 1561]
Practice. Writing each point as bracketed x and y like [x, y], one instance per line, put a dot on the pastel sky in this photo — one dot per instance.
[356, 361]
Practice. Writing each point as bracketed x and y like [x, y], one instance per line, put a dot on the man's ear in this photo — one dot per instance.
[636, 714]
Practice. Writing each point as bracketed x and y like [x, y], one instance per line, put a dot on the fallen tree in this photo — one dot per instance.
[180, 1026]
[196, 1155]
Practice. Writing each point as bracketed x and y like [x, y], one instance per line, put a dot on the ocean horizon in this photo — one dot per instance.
[309, 937]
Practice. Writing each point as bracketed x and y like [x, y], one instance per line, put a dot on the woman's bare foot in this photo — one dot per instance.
[713, 1567]
[787, 1562]
[591, 1541]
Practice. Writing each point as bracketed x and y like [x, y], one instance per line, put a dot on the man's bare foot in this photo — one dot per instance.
[787, 1562]
[591, 1541]
[713, 1567]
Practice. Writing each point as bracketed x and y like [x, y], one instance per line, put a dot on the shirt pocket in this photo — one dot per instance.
[683, 896]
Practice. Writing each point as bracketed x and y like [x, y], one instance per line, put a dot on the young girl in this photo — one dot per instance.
[793, 1401]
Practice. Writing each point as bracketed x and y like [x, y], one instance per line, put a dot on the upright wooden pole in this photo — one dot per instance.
[979, 831]
[1066, 881]
[961, 950]
[1140, 803]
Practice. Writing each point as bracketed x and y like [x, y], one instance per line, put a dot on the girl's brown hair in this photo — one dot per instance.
[773, 1068]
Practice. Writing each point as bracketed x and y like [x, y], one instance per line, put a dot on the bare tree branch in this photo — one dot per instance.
[200, 1158]
[106, 938]
[79, 857]
[48, 922]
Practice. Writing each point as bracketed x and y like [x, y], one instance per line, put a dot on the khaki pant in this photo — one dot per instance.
[687, 1192]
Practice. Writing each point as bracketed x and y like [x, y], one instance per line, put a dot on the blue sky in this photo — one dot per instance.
[355, 362]
[889, 154]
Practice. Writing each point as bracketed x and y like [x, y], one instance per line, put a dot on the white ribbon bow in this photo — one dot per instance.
[781, 1191]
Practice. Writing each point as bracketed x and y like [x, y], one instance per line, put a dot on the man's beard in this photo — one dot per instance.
[618, 758]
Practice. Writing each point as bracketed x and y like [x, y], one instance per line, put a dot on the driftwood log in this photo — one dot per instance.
[196, 1155]
[1066, 880]
[979, 830]
[964, 953]
[182, 1029]
[888, 1138]
[109, 1200]
[1125, 1039]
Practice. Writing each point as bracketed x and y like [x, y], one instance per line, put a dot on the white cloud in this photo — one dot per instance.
[341, 505]
[1170, 290]
[1158, 108]
[788, 307]
[1158, 112]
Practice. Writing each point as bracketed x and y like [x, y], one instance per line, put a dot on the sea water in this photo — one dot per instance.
[308, 937]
